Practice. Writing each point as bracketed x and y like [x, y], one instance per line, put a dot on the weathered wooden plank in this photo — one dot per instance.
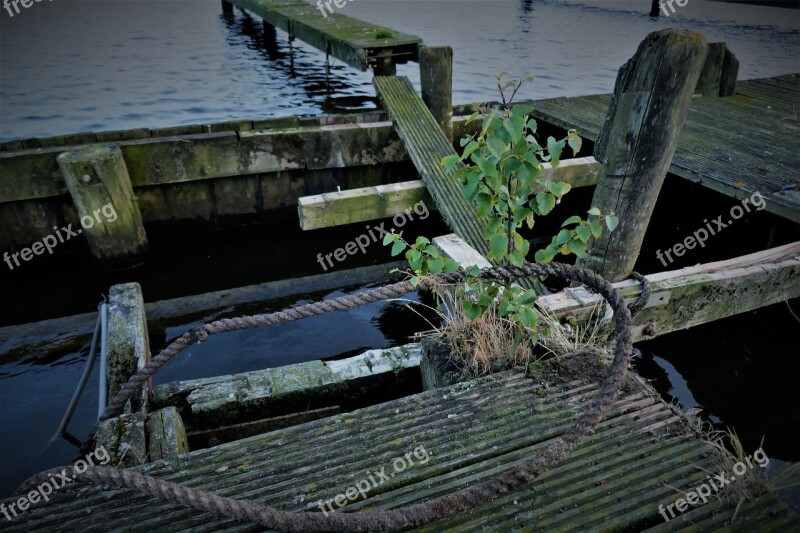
[383, 201]
[427, 146]
[355, 42]
[463, 435]
[454, 247]
[681, 299]
[34, 174]
[249, 396]
[359, 205]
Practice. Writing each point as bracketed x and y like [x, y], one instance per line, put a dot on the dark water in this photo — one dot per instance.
[69, 66]
[74, 65]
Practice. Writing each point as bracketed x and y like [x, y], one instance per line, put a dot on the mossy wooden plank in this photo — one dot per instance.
[359, 205]
[684, 298]
[427, 145]
[468, 432]
[345, 38]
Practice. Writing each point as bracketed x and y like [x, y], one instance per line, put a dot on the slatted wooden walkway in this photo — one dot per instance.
[357, 43]
[426, 146]
[736, 145]
[470, 431]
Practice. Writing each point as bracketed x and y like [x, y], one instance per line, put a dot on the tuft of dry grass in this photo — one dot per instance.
[563, 340]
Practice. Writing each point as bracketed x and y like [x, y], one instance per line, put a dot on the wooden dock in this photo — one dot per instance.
[357, 43]
[640, 457]
[735, 145]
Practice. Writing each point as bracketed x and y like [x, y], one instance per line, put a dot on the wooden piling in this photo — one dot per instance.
[436, 77]
[647, 111]
[98, 181]
[729, 75]
[709, 83]
[655, 6]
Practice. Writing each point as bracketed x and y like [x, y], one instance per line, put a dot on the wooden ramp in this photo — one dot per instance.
[734, 145]
[357, 43]
[469, 432]
[426, 146]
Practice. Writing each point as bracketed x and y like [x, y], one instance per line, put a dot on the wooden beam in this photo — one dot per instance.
[33, 174]
[383, 201]
[681, 299]
[359, 205]
[455, 247]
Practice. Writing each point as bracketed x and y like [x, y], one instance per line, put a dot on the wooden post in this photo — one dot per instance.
[647, 111]
[227, 7]
[730, 73]
[709, 83]
[655, 6]
[128, 343]
[98, 181]
[436, 77]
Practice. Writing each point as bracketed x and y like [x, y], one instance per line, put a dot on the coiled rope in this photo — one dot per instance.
[404, 517]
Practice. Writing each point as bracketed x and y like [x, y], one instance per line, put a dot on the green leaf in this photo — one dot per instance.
[451, 265]
[471, 147]
[473, 116]
[422, 240]
[498, 245]
[449, 161]
[594, 211]
[559, 188]
[436, 265]
[389, 237]
[521, 109]
[563, 236]
[486, 167]
[583, 233]
[577, 246]
[545, 202]
[398, 247]
[414, 258]
[574, 141]
[515, 126]
[527, 317]
[574, 219]
[612, 222]
[414, 281]
[526, 173]
[472, 310]
[596, 227]
[532, 125]
[496, 147]
[554, 149]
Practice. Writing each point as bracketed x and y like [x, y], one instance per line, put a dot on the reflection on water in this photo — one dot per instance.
[77, 65]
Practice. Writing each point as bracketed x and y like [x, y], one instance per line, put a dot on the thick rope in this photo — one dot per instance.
[410, 516]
